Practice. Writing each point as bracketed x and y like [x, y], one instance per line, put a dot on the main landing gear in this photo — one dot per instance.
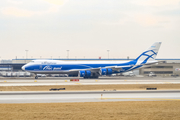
[36, 77]
[91, 77]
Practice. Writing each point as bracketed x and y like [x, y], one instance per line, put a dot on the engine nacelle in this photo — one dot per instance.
[84, 73]
[103, 71]
[109, 71]
[88, 73]
[106, 71]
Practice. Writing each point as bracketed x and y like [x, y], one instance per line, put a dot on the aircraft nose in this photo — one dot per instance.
[23, 67]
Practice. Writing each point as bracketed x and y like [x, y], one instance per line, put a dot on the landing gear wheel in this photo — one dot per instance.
[96, 76]
[36, 77]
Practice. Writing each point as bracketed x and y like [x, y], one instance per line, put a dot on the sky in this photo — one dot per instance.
[88, 28]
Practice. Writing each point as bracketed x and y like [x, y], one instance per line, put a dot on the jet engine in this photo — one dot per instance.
[82, 73]
[88, 73]
[106, 71]
[85, 73]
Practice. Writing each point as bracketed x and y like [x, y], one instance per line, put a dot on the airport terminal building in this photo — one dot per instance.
[167, 67]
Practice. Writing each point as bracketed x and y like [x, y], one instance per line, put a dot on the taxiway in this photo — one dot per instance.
[89, 96]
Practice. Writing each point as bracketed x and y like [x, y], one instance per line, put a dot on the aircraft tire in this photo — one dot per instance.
[85, 77]
[91, 77]
[95, 76]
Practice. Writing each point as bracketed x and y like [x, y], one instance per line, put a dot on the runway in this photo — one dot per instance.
[101, 81]
[89, 96]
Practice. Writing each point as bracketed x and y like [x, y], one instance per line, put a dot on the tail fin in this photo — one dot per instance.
[149, 55]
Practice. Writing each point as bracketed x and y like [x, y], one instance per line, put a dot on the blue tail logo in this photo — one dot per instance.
[149, 55]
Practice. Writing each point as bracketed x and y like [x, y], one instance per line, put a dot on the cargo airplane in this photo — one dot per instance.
[92, 69]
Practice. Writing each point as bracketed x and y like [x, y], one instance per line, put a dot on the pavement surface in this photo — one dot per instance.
[89, 96]
[100, 81]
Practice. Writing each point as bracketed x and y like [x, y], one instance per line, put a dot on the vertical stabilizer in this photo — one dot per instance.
[149, 55]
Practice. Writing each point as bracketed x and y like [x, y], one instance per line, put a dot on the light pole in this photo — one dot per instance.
[108, 53]
[24, 59]
[26, 54]
[67, 54]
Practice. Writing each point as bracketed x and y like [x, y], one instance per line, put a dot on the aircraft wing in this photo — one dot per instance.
[117, 68]
[91, 69]
[114, 68]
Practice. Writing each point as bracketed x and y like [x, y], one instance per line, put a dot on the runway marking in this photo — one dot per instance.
[78, 83]
[125, 80]
[5, 81]
[143, 98]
